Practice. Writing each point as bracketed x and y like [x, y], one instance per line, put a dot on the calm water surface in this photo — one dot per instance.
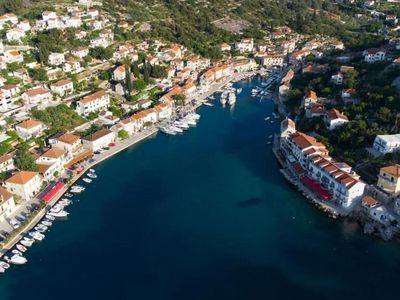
[204, 215]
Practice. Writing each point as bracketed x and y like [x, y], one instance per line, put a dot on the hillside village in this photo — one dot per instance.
[73, 85]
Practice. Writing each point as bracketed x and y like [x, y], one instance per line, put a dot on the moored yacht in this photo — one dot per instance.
[91, 175]
[59, 214]
[21, 248]
[87, 180]
[16, 259]
[26, 243]
[176, 129]
[232, 98]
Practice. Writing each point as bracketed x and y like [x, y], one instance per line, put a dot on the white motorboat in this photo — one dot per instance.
[181, 124]
[231, 98]
[65, 201]
[28, 238]
[46, 223]
[87, 180]
[208, 104]
[190, 121]
[21, 248]
[176, 129]
[60, 214]
[211, 97]
[239, 90]
[167, 130]
[68, 195]
[270, 136]
[37, 235]
[91, 175]
[16, 252]
[16, 259]
[49, 217]
[41, 229]
[267, 118]
[4, 265]
[92, 171]
[26, 243]
[76, 190]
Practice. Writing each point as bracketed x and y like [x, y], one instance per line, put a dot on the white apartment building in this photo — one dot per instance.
[63, 87]
[6, 163]
[272, 60]
[99, 139]
[72, 67]
[56, 59]
[388, 143]
[93, 103]
[7, 204]
[374, 55]
[245, 45]
[30, 128]
[80, 52]
[15, 35]
[25, 184]
[67, 142]
[37, 95]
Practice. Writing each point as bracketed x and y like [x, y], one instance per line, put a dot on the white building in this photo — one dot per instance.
[67, 142]
[93, 103]
[72, 67]
[37, 95]
[99, 139]
[337, 78]
[55, 156]
[335, 118]
[80, 52]
[30, 128]
[47, 15]
[374, 55]
[119, 74]
[62, 87]
[388, 143]
[245, 45]
[25, 184]
[272, 60]
[6, 163]
[15, 35]
[7, 204]
[56, 59]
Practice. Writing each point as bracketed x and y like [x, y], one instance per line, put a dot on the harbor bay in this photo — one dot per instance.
[203, 215]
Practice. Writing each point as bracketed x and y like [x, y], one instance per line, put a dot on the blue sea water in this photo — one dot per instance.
[203, 215]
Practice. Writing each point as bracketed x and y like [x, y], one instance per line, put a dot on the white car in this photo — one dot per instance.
[15, 224]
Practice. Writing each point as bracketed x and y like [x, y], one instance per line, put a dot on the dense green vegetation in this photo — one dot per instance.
[58, 118]
[24, 159]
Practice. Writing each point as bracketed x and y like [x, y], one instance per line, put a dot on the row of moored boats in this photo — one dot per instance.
[16, 255]
[180, 124]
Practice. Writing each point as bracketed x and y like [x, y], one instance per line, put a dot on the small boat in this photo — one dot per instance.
[239, 90]
[65, 201]
[267, 118]
[211, 97]
[59, 214]
[16, 259]
[26, 243]
[37, 235]
[2, 270]
[190, 121]
[92, 170]
[167, 130]
[181, 124]
[21, 248]
[4, 265]
[87, 180]
[41, 229]
[28, 238]
[231, 98]
[208, 104]
[49, 217]
[68, 195]
[268, 143]
[46, 223]
[16, 252]
[270, 136]
[176, 129]
[91, 175]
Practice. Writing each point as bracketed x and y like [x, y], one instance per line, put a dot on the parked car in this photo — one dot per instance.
[15, 224]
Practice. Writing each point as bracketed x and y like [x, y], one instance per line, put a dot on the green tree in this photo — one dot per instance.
[38, 74]
[123, 134]
[24, 160]
[140, 84]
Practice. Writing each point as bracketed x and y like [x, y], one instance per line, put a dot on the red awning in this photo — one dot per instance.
[50, 194]
[313, 185]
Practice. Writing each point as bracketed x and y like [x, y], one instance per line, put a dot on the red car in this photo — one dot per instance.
[111, 144]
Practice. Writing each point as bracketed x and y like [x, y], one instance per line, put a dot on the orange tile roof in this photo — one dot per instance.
[4, 195]
[68, 138]
[62, 82]
[37, 91]
[393, 170]
[334, 114]
[312, 95]
[54, 153]
[304, 141]
[93, 97]
[22, 177]
[27, 124]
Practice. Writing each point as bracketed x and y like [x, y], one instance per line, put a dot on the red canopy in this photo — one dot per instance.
[50, 194]
[313, 185]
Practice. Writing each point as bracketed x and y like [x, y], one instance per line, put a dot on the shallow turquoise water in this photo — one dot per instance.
[204, 215]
